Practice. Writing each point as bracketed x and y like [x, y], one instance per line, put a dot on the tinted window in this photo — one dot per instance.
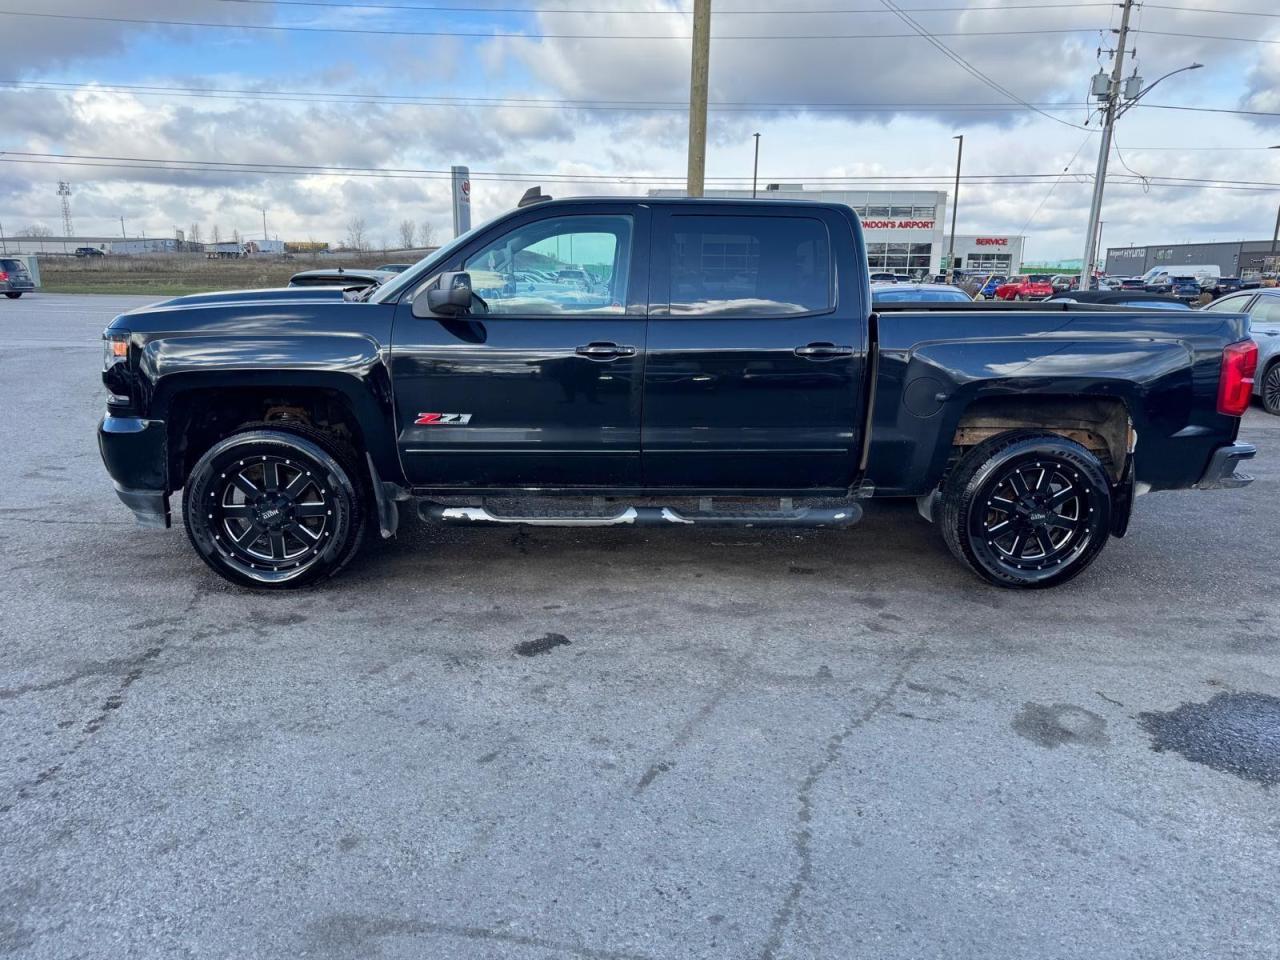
[749, 266]
[572, 265]
[10, 265]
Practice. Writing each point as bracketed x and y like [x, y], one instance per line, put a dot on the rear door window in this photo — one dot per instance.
[1265, 314]
[749, 266]
[1230, 304]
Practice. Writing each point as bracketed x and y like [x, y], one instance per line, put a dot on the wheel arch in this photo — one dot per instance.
[199, 409]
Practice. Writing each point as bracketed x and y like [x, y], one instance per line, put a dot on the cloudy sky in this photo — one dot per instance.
[527, 92]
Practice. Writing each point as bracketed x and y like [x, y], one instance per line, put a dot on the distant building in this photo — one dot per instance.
[129, 247]
[1247, 259]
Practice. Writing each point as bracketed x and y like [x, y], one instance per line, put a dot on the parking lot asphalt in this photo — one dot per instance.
[622, 743]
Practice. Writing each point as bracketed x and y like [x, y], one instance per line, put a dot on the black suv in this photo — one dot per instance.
[14, 278]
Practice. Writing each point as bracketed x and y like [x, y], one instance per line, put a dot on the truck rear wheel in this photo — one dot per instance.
[1027, 509]
[276, 509]
[14, 295]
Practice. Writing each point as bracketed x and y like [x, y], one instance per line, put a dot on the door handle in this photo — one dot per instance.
[823, 351]
[604, 351]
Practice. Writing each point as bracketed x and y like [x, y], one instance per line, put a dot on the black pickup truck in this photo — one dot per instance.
[674, 362]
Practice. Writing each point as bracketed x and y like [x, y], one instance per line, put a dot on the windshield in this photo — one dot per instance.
[1039, 278]
[424, 268]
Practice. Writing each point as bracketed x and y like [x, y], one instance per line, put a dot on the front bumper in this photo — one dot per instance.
[135, 452]
[1221, 472]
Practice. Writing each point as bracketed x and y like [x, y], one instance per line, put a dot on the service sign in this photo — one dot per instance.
[991, 241]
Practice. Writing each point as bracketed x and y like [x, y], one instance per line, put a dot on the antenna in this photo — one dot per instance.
[64, 191]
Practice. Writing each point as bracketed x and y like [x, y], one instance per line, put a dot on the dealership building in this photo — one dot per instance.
[903, 228]
[1247, 259]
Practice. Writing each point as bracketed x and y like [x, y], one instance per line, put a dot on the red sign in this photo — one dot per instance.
[898, 224]
[992, 241]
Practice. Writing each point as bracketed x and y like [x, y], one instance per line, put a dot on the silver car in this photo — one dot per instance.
[1263, 308]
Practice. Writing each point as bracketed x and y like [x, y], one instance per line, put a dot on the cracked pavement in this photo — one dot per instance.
[617, 743]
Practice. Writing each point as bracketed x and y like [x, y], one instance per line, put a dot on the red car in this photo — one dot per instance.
[1035, 287]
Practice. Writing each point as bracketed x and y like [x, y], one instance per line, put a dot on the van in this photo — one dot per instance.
[1207, 274]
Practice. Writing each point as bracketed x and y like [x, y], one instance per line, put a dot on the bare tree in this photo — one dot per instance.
[407, 232]
[217, 233]
[426, 233]
[356, 236]
[36, 230]
[235, 237]
[194, 234]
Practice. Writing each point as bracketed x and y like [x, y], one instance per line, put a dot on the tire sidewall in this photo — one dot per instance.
[204, 480]
[1272, 371]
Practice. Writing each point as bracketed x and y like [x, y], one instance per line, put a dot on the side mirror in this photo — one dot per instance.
[449, 297]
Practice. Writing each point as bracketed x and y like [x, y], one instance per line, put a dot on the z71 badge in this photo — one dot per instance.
[434, 419]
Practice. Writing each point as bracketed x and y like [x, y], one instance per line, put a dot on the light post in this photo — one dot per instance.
[755, 169]
[955, 207]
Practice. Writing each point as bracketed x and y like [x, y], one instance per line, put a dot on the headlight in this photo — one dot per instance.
[115, 349]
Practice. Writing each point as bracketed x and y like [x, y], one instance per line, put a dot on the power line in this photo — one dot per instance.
[1230, 13]
[228, 167]
[1204, 36]
[294, 28]
[443, 8]
[360, 99]
[965, 64]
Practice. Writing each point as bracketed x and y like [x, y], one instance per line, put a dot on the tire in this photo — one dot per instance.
[13, 295]
[309, 530]
[1271, 389]
[1053, 529]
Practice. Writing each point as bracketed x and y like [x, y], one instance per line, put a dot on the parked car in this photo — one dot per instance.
[983, 287]
[882, 278]
[1035, 286]
[89, 252]
[897, 293]
[1227, 285]
[1133, 283]
[14, 278]
[1263, 309]
[771, 380]
[350, 279]
[1120, 298]
[1158, 279]
[1063, 282]
[1185, 288]
[394, 267]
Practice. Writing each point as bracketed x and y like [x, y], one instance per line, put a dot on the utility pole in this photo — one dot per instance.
[1098, 246]
[123, 235]
[4, 249]
[755, 169]
[1275, 234]
[699, 75]
[955, 208]
[264, 224]
[1104, 148]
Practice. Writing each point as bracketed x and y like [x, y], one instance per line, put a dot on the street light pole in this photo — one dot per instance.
[755, 169]
[698, 79]
[955, 208]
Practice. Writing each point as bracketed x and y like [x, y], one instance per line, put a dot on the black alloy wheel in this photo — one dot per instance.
[1027, 509]
[270, 508]
[1271, 389]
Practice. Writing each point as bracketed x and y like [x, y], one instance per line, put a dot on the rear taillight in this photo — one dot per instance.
[4, 275]
[1239, 364]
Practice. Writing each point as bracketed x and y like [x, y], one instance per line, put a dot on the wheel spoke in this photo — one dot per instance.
[1062, 496]
[270, 476]
[295, 486]
[244, 485]
[237, 511]
[302, 533]
[277, 544]
[1042, 479]
[995, 530]
[1005, 505]
[1016, 549]
[311, 509]
[1042, 537]
[1058, 522]
[247, 537]
[1018, 483]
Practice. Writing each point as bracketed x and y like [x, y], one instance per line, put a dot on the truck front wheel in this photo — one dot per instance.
[274, 508]
[1027, 509]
